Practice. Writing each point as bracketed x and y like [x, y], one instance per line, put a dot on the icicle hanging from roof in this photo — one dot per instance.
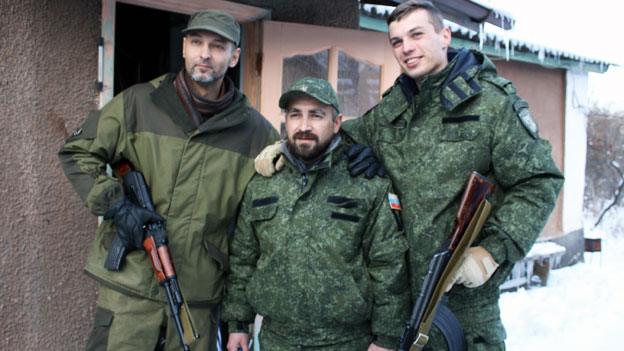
[481, 35]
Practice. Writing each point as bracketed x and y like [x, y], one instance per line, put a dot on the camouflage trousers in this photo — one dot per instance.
[127, 323]
[272, 342]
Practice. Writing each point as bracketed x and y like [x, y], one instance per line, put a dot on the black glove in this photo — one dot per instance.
[130, 220]
[362, 159]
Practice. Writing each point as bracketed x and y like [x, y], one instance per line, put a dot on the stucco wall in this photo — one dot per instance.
[332, 13]
[48, 66]
[544, 89]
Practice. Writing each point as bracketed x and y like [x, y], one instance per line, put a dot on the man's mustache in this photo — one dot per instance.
[204, 63]
[305, 135]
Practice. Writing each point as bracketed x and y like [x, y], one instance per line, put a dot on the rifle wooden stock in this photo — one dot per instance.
[156, 247]
[471, 215]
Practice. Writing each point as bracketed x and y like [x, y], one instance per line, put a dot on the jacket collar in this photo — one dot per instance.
[461, 84]
[164, 96]
[457, 81]
[325, 161]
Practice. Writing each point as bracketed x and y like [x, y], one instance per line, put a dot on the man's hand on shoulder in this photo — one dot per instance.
[270, 160]
[362, 159]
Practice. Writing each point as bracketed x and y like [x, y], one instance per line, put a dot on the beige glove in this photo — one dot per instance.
[265, 162]
[476, 267]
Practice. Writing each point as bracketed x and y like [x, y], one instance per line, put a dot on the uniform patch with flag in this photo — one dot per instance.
[394, 202]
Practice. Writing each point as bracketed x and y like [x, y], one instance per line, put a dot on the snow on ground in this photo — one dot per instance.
[581, 308]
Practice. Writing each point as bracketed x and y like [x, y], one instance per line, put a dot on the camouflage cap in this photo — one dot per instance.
[219, 22]
[316, 88]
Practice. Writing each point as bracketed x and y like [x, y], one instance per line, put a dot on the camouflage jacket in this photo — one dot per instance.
[320, 256]
[465, 118]
[196, 176]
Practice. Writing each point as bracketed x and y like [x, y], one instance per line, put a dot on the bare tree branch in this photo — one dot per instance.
[618, 192]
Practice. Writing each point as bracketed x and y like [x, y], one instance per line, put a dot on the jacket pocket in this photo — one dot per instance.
[98, 339]
[392, 133]
[263, 209]
[346, 218]
[457, 129]
[219, 256]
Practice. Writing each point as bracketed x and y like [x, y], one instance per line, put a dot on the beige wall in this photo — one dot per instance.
[544, 89]
[48, 68]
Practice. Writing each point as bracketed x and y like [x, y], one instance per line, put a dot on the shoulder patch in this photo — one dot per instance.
[88, 129]
[521, 107]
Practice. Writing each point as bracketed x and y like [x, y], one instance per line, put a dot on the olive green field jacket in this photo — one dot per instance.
[196, 176]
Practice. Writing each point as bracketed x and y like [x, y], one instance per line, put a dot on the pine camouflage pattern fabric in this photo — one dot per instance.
[465, 118]
[320, 256]
[196, 176]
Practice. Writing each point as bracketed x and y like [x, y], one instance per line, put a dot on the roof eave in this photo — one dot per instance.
[464, 12]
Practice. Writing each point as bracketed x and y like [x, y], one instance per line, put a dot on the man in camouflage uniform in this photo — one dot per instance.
[193, 136]
[318, 253]
[448, 114]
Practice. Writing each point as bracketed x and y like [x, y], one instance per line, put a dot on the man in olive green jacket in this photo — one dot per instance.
[318, 253]
[193, 136]
[447, 115]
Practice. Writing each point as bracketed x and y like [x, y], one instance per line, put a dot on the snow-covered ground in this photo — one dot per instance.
[582, 308]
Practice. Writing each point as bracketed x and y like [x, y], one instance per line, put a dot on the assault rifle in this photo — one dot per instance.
[474, 209]
[155, 245]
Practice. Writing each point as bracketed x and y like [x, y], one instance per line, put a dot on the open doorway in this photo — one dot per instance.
[148, 43]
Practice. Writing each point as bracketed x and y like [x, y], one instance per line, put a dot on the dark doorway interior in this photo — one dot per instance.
[148, 44]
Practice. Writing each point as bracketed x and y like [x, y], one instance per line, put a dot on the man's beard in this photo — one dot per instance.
[203, 79]
[307, 152]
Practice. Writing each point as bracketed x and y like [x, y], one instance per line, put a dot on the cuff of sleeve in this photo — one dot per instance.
[105, 192]
[495, 245]
[387, 342]
[238, 327]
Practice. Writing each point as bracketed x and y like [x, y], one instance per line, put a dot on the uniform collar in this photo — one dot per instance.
[456, 81]
[325, 161]
[460, 83]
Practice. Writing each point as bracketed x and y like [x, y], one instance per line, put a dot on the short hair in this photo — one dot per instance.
[407, 7]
